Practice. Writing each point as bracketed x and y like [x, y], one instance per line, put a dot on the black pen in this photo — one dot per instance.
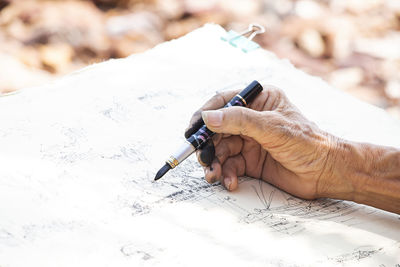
[198, 139]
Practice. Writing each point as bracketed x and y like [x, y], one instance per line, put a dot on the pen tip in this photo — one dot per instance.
[162, 171]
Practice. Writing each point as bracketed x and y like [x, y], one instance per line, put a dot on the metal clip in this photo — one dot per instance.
[239, 40]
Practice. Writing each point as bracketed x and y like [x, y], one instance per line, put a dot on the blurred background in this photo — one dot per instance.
[352, 44]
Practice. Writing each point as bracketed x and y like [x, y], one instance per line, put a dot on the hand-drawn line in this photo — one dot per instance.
[130, 250]
[301, 210]
[5, 234]
[287, 214]
[357, 254]
[263, 199]
[140, 209]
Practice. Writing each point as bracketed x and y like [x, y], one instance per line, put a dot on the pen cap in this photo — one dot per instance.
[251, 91]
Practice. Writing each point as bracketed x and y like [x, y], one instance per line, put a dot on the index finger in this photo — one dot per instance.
[217, 101]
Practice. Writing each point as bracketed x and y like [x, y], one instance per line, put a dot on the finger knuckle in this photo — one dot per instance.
[218, 98]
[197, 114]
[276, 97]
[274, 89]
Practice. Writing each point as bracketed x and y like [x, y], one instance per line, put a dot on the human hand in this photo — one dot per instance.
[270, 140]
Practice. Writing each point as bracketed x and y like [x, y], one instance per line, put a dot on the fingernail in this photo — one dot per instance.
[207, 174]
[227, 182]
[213, 180]
[212, 117]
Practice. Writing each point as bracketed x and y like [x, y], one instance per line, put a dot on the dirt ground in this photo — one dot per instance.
[353, 44]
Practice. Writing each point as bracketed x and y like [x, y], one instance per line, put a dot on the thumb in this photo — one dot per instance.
[234, 120]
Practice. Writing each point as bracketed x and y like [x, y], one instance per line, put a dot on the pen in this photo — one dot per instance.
[199, 138]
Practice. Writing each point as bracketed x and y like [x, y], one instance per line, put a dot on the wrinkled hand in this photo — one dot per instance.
[270, 140]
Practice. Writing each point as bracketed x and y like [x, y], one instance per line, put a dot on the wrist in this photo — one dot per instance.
[354, 167]
[367, 174]
[378, 179]
[338, 179]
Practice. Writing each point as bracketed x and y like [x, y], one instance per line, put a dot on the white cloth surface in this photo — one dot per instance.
[78, 157]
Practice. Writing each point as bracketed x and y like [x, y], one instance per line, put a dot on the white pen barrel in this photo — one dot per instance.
[181, 154]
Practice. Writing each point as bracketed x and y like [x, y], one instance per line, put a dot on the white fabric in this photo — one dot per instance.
[78, 158]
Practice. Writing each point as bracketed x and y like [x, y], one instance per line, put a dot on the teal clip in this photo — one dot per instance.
[240, 41]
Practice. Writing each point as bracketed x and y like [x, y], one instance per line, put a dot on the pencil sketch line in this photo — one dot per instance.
[255, 190]
[262, 193]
